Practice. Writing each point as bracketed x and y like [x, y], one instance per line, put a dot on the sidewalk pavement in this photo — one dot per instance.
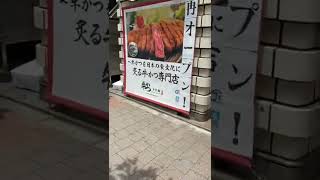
[146, 144]
[37, 146]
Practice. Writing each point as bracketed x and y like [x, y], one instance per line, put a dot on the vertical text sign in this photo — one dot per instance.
[78, 44]
[235, 32]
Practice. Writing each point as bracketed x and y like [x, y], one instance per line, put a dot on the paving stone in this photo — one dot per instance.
[203, 168]
[157, 149]
[172, 173]
[191, 156]
[173, 152]
[164, 159]
[130, 129]
[128, 153]
[112, 139]
[150, 139]
[158, 168]
[199, 148]
[182, 144]
[145, 157]
[115, 160]
[191, 175]
[113, 149]
[123, 143]
[111, 130]
[122, 134]
[166, 142]
[183, 165]
[144, 131]
[160, 146]
[140, 145]
[136, 136]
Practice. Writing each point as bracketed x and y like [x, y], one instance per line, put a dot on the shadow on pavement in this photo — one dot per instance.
[129, 170]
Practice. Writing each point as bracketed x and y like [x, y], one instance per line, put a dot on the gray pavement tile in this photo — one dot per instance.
[123, 143]
[145, 157]
[128, 153]
[115, 160]
[113, 149]
[183, 165]
[156, 149]
[172, 173]
[193, 138]
[199, 148]
[165, 146]
[151, 139]
[166, 141]
[182, 144]
[130, 129]
[119, 125]
[174, 152]
[191, 156]
[140, 145]
[112, 139]
[164, 160]
[159, 168]
[136, 136]
[121, 134]
[145, 131]
[205, 156]
[130, 121]
[203, 168]
[117, 175]
[111, 130]
[126, 169]
[191, 175]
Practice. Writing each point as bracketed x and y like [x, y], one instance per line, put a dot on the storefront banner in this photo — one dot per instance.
[159, 40]
[77, 55]
[235, 42]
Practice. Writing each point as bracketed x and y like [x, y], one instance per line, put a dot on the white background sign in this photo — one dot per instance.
[150, 72]
[236, 28]
[78, 35]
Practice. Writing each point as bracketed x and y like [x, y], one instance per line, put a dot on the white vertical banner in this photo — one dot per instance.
[235, 41]
[77, 55]
[158, 43]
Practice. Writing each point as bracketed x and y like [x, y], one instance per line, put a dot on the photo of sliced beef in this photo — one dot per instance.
[151, 41]
[168, 33]
[158, 43]
[173, 29]
[144, 39]
[162, 40]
